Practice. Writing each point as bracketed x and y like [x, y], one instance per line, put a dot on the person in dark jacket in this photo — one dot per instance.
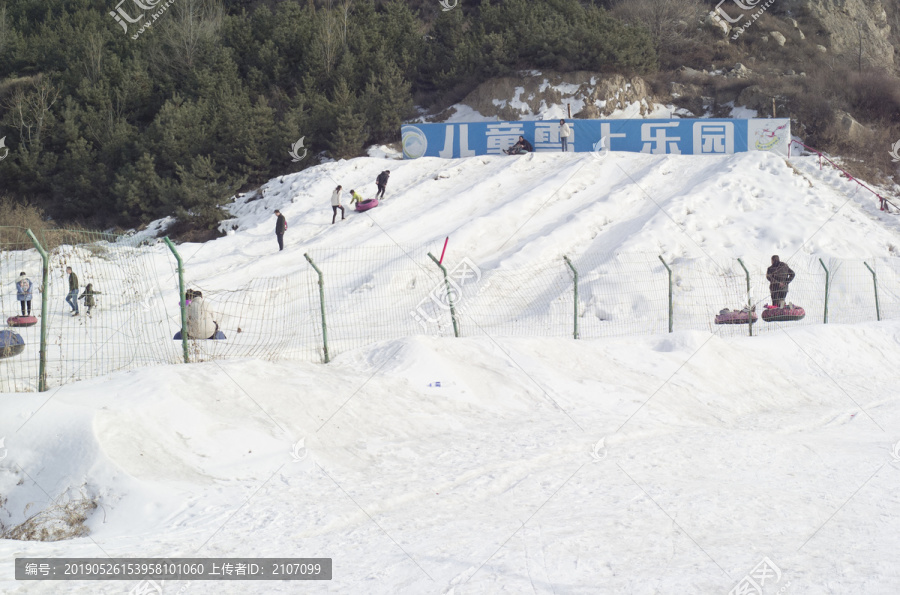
[779, 276]
[523, 146]
[72, 297]
[381, 181]
[23, 293]
[88, 297]
[280, 228]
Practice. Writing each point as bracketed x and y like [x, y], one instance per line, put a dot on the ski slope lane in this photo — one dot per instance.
[646, 464]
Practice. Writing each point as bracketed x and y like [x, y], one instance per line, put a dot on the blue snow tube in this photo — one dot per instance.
[11, 344]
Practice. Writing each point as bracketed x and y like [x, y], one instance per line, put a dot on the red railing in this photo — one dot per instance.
[882, 201]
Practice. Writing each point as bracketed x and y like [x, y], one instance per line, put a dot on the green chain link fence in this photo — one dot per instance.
[339, 299]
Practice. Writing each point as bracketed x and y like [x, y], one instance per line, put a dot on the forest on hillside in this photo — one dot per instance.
[111, 122]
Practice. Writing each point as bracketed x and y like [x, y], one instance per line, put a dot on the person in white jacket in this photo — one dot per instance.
[200, 323]
[336, 204]
[564, 133]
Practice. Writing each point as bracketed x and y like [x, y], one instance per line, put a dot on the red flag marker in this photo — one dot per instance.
[444, 250]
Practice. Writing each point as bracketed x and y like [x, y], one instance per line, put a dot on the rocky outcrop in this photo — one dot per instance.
[591, 95]
[850, 23]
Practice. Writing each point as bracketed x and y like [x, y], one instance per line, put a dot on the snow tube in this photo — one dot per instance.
[727, 316]
[11, 344]
[218, 336]
[21, 320]
[785, 314]
[367, 204]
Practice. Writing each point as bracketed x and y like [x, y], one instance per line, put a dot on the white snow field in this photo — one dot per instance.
[701, 461]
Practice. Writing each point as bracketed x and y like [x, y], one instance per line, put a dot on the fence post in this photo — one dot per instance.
[321, 305]
[181, 301]
[827, 277]
[45, 290]
[875, 281]
[671, 310]
[449, 294]
[749, 304]
[575, 315]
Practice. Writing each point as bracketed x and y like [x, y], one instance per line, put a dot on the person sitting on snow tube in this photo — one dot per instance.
[200, 323]
[779, 276]
[11, 344]
[23, 293]
[523, 146]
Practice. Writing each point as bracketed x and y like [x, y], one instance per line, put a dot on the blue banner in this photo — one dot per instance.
[677, 136]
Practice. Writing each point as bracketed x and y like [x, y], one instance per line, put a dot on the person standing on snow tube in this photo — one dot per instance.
[779, 276]
[200, 323]
[336, 204]
[381, 181]
[23, 293]
[523, 146]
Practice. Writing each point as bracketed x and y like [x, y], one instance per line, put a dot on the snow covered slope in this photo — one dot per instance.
[656, 464]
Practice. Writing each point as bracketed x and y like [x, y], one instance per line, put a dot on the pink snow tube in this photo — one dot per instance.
[367, 204]
[727, 316]
[787, 313]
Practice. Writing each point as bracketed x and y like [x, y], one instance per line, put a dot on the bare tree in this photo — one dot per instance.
[333, 31]
[668, 21]
[186, 31]
[92, 61]
[5, 33]
[30, 111]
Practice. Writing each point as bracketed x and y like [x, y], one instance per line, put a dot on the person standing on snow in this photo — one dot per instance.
[564, 133]
[88, 297]
[23, 292]
[355, 198]
[779, 276]
[280, 228]
[336, 204]
[72, 297]
[381, 181]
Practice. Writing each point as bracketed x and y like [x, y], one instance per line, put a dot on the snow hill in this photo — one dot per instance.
[662, 463]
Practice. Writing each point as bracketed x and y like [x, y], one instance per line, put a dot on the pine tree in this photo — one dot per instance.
[349, 133]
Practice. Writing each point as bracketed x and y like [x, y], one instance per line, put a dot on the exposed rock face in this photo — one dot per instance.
[852, 129]
[591, 94]
[848, 21]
